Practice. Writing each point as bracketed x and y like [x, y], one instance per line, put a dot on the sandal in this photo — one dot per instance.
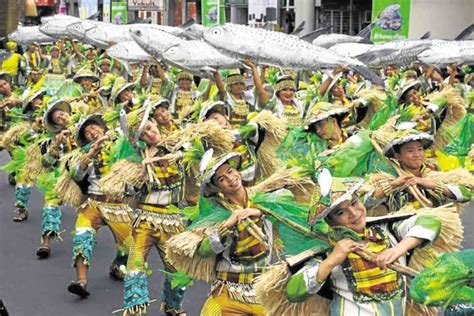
[172, 312]
[3, 309]
[175, 313]
[43, 252]
[20, 215]
[78, 288]
[115, 272]
[12, 179]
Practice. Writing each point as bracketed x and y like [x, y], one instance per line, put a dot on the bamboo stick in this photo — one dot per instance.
[123, 309]
[367, 255]
[413, 189]
[251, 227]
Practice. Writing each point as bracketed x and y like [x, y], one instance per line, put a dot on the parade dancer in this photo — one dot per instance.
[406, 149]
[358, 285]
[56, 120]
[285, 104]
[98, 210]
[241, 102]
[157, 214]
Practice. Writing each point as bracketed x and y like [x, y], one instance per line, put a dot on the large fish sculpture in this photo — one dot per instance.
[329, 40]
[58, 28]
[278, 49]
[448, 53]
[111, 34]
[153, 41]
[129, 52]
[400, 53]
[197, 54]
[29, 34]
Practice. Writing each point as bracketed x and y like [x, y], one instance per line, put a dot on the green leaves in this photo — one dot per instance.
[178, 279]
[193, 154]
[191, 212]
[338, 233]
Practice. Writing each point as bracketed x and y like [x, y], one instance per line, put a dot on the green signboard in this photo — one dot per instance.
[213, 12]
[391, 18]
[119, 13]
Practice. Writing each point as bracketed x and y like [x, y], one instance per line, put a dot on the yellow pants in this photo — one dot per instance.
[89, 220]
[144, 238]
[223, 305]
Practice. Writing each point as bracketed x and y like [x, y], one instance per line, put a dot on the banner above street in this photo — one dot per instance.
[146, 5]
[391, 18]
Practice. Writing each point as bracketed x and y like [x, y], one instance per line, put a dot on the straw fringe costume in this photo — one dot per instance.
[231, 259]
[51, 216]
[98, 210]
[157, 218]
[360, 287]
[180, 100]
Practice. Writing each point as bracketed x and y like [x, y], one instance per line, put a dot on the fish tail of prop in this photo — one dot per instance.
[368, 74]
[369, 57]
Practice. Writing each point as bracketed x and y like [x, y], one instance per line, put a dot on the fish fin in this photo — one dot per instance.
[368, 74]
[299, 28]
[188, 23]
[366, 31]
[126, 65]
[465, 33]
[314, 34]
[369, 56]
[94, 16]
[426, 35]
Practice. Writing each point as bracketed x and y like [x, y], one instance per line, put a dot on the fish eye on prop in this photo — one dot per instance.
[137, 32]
[216, 31]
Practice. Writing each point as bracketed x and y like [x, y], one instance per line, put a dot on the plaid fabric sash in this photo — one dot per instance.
[168, 174]
[247, 248]
[368, 279]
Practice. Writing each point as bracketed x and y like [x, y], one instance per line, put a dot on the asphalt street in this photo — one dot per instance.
[32, 287]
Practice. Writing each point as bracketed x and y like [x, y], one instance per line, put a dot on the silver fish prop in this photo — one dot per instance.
[111, 34]
[173, 30]
[153, 41]
[448, 53]
[400, 53]
[57, 28]
[278, 49]
[351, 49]
[193, 31]
[107, 35]
[329, 40]
[156, 42]
[129, 52]
[79, 29]
[29, 34]
[58, 17]
[197, 54]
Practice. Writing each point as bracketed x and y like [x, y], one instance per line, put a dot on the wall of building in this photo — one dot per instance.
[445, 19]
[238, 15]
